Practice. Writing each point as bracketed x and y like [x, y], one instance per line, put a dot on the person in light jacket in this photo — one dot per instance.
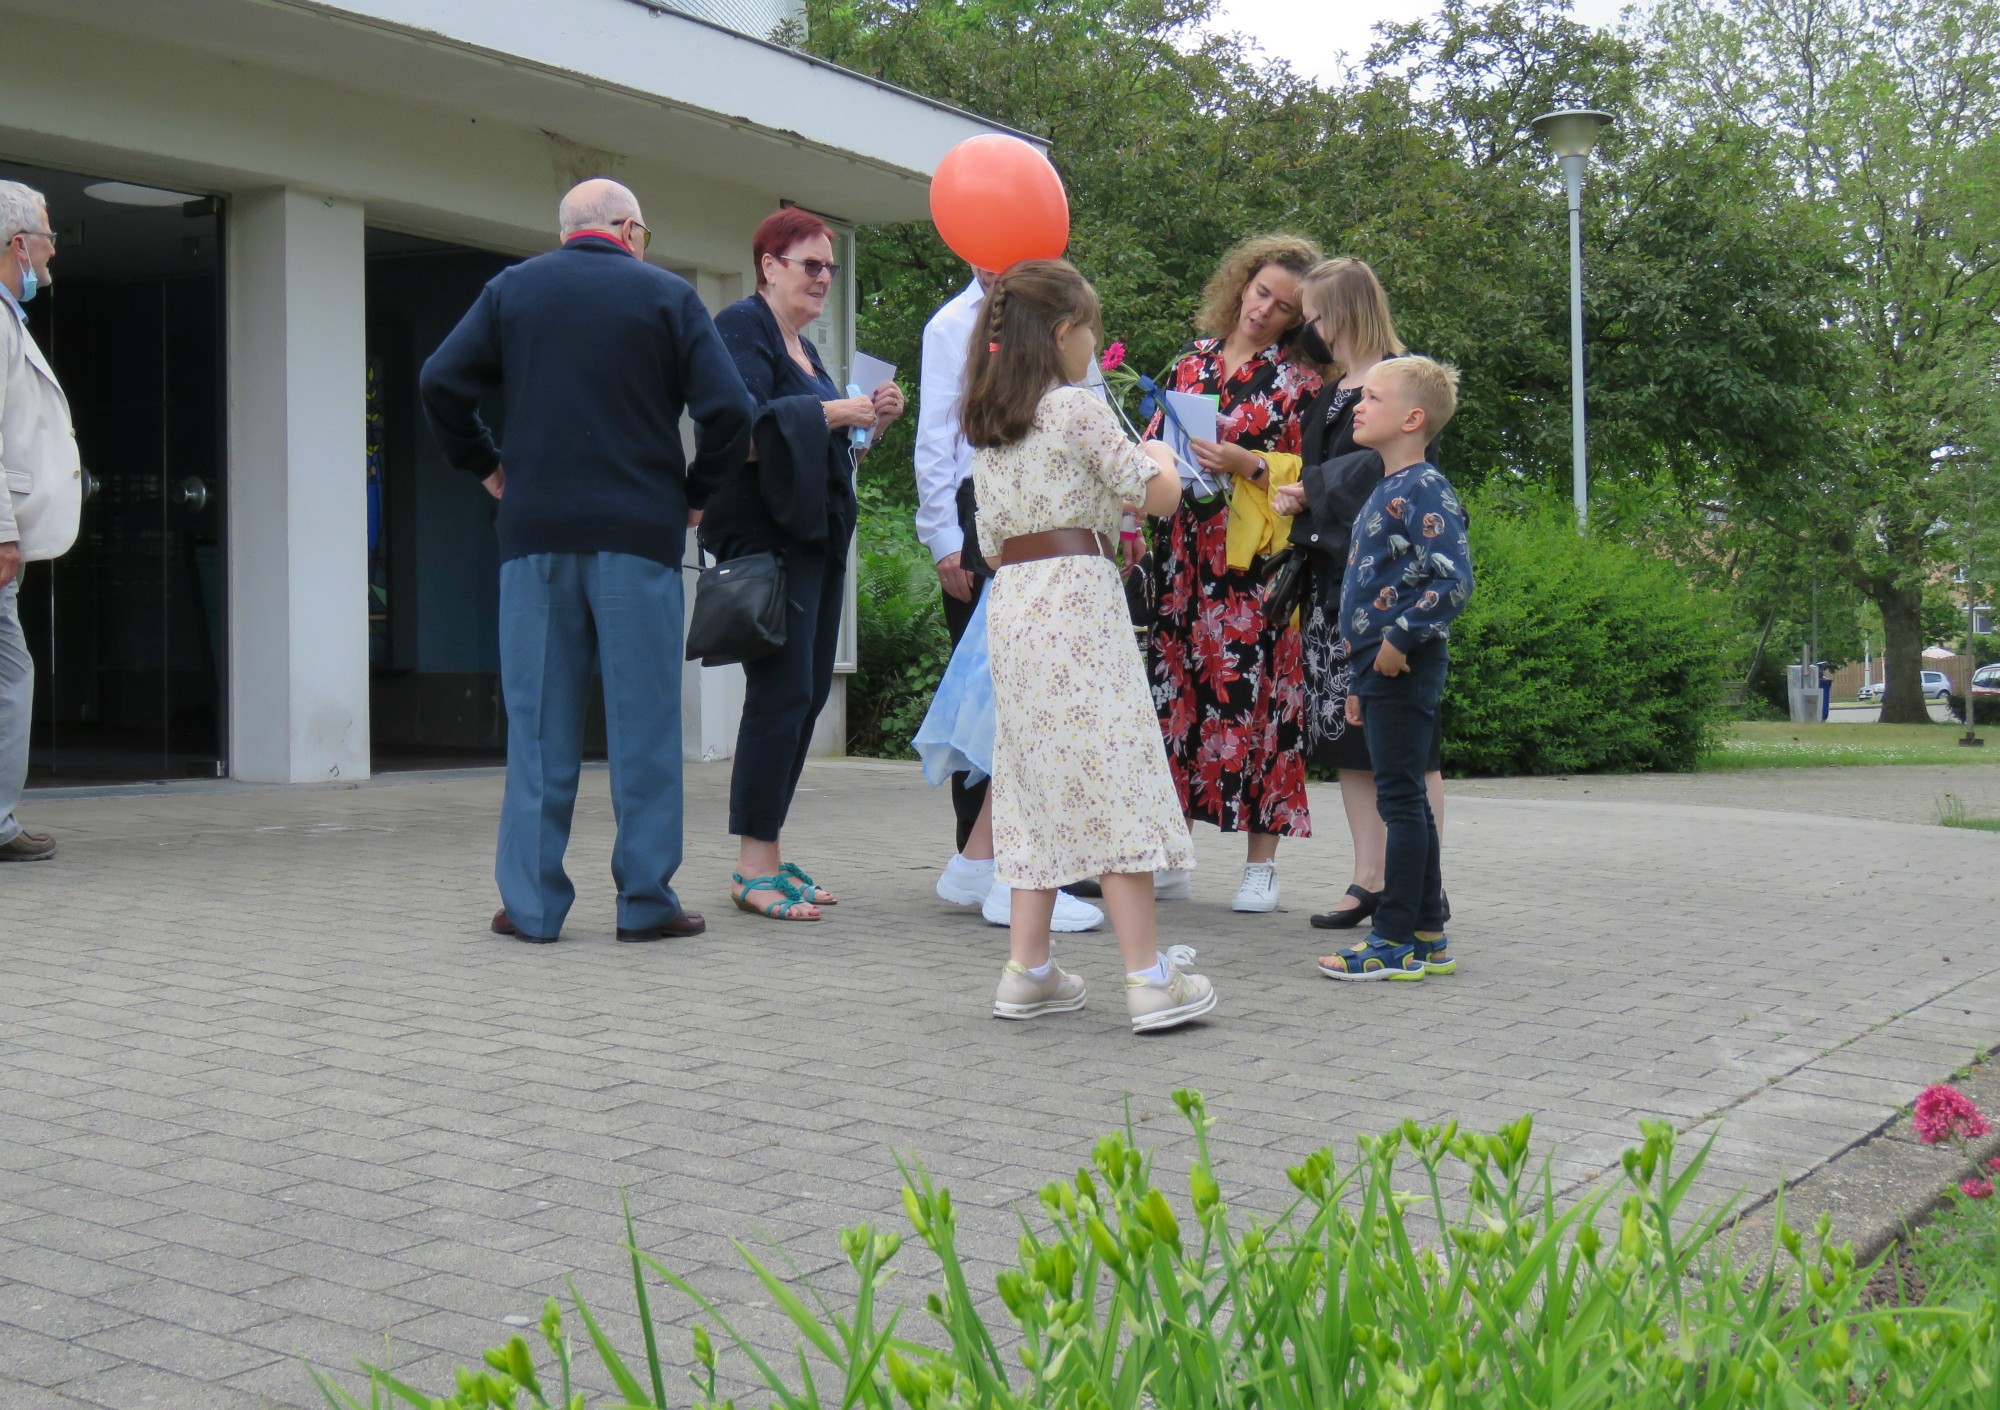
[42, 501]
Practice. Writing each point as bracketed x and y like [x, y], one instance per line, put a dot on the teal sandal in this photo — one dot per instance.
[797, 873]
[776, 910]
[1374, 958]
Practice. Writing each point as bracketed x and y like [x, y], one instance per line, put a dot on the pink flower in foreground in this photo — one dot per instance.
[1114, 356]
[1946, 1114]
[1976, 1189]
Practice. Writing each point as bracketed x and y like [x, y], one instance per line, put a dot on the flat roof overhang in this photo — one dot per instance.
[610, 76]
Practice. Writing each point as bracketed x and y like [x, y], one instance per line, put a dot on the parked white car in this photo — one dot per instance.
[1936, 686]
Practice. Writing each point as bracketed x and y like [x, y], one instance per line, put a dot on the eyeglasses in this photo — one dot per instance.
[48, 235]
[645, 235]
[814, 268]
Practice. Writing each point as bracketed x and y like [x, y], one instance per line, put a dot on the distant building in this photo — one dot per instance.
[269, 211]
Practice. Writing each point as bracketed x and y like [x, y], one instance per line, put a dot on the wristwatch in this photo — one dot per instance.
[1263, 467]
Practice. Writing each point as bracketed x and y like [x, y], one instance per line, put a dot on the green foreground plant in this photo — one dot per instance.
[1480, 1287]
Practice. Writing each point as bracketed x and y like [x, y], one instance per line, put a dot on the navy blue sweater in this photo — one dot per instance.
[1409, 572]
[598, 353]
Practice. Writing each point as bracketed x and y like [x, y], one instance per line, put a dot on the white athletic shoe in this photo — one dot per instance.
[1071, 914]
[1022, 995]
[1259, 891]
[965, 883]
[1171, 884]
[1155, 1003]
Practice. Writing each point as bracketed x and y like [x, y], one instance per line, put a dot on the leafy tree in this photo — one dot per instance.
[1881, 122]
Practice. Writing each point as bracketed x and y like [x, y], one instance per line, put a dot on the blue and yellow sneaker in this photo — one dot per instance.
[1435, 955]
[1374, 958]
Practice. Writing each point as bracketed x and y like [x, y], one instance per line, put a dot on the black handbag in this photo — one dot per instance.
[1282, 588]
[739, 610]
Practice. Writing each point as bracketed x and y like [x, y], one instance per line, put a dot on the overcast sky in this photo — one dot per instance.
[1312, 35]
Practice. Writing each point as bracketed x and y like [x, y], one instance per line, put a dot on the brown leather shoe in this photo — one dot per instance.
[28, 847]
[682, 926]
[503, 926]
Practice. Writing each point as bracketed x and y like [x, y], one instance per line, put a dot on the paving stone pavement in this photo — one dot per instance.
[273, 1092]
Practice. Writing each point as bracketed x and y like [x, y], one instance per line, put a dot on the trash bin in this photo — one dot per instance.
[1803, 693]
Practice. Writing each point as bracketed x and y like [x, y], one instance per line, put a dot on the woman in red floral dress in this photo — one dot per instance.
[1229, 685]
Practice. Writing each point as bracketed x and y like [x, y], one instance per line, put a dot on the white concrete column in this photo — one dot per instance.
[298, 514]
[711, 696]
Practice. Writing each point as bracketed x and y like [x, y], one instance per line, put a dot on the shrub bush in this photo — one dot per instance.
[1577, 653]
[899, 631]
[1441, 1270]
[1985, 708]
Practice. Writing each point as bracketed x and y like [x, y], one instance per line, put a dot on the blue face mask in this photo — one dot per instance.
[30, 281]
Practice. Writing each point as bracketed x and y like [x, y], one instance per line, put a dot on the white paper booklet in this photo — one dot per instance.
[1198, 415]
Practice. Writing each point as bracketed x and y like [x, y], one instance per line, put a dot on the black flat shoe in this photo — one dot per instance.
[1347, 920]
[1089, 889]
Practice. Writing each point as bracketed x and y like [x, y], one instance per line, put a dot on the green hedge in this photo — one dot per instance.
[1577, 654]
[1986, 708]
[899, 630]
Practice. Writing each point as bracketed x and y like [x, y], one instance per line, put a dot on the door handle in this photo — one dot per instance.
[194, 494]
[89, 485]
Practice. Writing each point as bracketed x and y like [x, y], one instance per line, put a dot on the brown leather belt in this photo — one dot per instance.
[1057, 543]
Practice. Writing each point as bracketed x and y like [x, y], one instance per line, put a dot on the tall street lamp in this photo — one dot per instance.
[1570, 134]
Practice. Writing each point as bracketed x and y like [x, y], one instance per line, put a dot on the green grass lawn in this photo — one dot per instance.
[1761, 744]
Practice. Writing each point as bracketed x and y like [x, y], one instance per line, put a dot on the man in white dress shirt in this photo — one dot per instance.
[944, 462]
[41, 499]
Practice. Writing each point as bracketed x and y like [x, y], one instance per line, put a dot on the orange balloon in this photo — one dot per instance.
[996, 200]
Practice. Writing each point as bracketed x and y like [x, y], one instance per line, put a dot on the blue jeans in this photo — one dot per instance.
[1399, 714]
[17, 699]
[560, 614]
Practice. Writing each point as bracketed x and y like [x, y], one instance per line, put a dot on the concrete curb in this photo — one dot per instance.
[1884, 1185]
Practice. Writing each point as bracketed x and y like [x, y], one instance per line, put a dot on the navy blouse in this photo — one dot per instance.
[800, 489]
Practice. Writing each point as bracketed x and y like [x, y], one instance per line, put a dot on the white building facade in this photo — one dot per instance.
[268, 212]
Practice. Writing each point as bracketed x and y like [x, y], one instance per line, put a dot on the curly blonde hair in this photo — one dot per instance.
[1222, 296]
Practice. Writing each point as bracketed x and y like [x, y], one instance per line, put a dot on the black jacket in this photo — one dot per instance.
[800, 489]
[598, 354]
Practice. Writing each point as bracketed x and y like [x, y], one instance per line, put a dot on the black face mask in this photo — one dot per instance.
[1312, 345]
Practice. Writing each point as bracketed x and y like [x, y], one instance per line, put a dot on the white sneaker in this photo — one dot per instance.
[1022, 995]
[1171, 884]
[1155, 1003]
[1259, 891]
[965, 883]
[1071, 914]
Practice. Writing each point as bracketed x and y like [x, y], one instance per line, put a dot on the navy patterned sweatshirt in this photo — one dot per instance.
[1409, 572]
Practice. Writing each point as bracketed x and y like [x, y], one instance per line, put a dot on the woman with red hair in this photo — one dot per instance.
[795, 498]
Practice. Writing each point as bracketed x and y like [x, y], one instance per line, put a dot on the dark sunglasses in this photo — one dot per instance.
[814, 268]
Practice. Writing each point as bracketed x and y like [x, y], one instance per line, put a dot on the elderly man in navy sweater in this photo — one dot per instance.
[598, 353]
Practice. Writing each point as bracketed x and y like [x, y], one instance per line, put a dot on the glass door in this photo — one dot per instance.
[127, 628]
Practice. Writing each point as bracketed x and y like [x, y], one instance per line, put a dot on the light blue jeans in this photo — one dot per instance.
[17, 699]
[560, 613]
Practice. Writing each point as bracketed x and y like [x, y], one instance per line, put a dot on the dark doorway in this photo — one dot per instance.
[127, 629]
[433, 567]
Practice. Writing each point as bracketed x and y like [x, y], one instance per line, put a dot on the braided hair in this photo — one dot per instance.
[1013, 359]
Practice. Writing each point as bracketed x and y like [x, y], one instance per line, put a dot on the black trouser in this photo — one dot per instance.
[966, 798]
[783, 694]
[1399, 717]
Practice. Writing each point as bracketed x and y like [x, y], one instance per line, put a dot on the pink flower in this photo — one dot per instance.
[1114, 356]
[1993, 1164]
[1946, 1114]
[1976, 1189]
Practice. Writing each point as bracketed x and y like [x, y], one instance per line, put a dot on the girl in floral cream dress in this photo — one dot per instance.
[1080, 781]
